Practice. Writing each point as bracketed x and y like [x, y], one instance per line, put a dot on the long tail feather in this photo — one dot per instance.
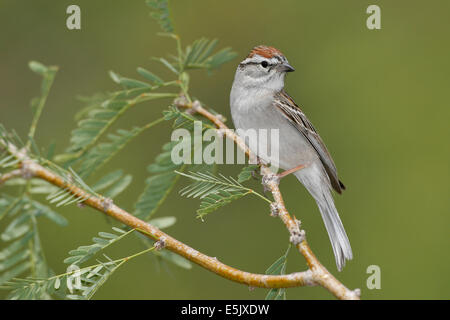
[315, 182]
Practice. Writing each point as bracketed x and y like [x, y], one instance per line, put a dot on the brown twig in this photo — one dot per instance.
[31, 168]
[10, 175]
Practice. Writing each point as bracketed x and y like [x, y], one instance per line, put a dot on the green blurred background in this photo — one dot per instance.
[378, 98]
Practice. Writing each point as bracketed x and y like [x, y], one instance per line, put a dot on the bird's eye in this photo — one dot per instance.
[264, 64]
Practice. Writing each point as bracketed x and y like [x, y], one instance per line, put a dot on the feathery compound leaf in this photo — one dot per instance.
[84, 253]
[24, 253]
[150, 76]
[102, 153]
[128, 83]
[162, 181]
[75, 284]
[159, 185]
[91, 103]
[37, 104]
[174, 258]
[208, 183]
[214, 201]
[163, 222]
[278, 268]
[215, 191]
[107, 180]
[168, 65]
[64, 197]
[247, 172]
[48, 213]
[14, 272]
[99, 118]
[199, 55]
[186, 120]
[8, 138]
[159, 10]
[118, 187]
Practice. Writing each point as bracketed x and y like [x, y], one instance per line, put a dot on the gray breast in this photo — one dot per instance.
[257, 114]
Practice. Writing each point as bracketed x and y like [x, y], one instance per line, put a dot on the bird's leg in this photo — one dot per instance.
[287, 172]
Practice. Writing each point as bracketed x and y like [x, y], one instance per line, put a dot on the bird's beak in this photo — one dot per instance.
[286, 67]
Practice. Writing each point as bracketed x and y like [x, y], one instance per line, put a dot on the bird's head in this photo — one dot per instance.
[263, 67]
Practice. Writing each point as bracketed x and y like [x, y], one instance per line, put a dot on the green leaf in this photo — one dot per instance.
[247, 173]
[118, 187]
[214, 201]
[37, 104]
[107, 180]
[278, 268]
[168, 65]
[174, 258]
[128, 83]
[99, 120]
[159, 10]
[65, 196]
[15, 246]
[17, 228]
[14, 272]
[84, 253]
[104, 152]
[199, 55]
[39, 186]
[50, 214]
[159, 185]
[150, 76]
[214, 190]
[11, 261]
[163, 222]
[156, 190]
[38, 67]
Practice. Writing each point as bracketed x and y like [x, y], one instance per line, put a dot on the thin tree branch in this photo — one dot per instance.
[10, 175]
[31, 168]
[319, 275]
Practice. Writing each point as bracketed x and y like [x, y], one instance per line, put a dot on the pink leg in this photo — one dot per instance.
[287, 172]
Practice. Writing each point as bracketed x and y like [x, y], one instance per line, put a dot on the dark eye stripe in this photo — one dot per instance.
[254, 62]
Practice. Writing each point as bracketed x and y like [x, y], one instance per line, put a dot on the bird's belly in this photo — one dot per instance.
[284, 145]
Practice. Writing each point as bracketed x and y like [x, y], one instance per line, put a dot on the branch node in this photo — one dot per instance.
[297, 236]
[26, 170]
[181, 101]
[220, 117]
[309, 278]
[220, 133]
[274, 209]
[269, 180]
[357, 292]
[298, 222]
[160, 244]
[107, 203]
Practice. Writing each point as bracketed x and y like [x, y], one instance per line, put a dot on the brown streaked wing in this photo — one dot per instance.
[295, 116]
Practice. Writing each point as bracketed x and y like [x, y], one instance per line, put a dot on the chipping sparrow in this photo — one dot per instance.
[258, 101]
